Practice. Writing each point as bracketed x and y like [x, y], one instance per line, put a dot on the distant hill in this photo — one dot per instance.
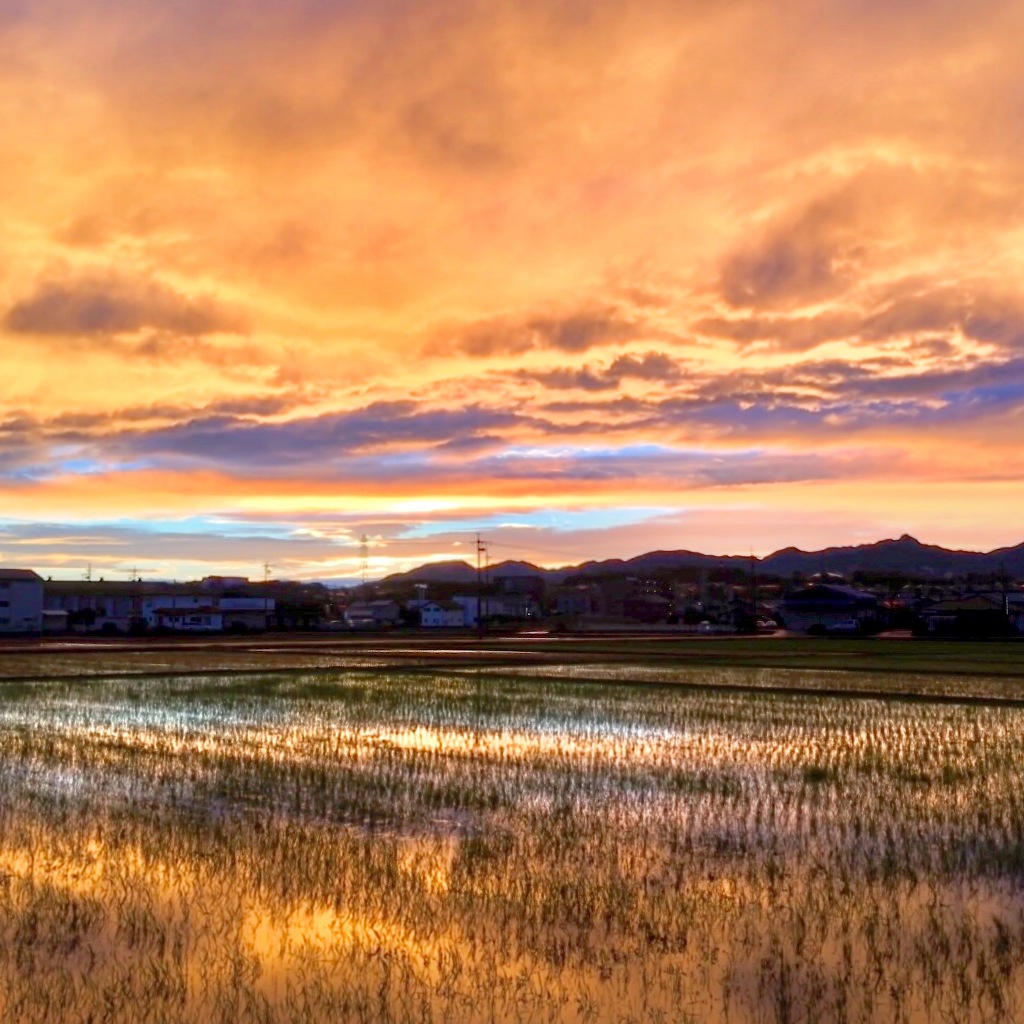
[436, 572]
[513, 568]
[905, 555]
[661, 561]
[463, 572]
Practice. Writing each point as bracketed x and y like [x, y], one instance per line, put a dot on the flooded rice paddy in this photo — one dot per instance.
[474, 846]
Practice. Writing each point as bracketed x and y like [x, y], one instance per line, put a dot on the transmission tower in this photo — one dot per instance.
[364, 557]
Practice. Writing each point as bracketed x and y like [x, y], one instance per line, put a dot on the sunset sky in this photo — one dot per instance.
[590, 278]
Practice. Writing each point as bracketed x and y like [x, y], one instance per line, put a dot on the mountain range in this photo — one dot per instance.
[906, 555]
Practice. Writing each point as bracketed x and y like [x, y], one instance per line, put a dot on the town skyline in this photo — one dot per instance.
[588, 278]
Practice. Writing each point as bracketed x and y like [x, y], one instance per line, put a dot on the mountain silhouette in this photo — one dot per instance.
[905, 555]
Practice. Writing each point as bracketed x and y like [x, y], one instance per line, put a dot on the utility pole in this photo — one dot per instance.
[135, 618]
[487, 579]
[266, 594]
[481, 550]
[753, 587]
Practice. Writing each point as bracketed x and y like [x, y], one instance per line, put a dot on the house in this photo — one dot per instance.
[513, 606]
[242, 613]
[219, 583]
[972, 615]
[528, 585]
[92, 605]
[21, 601]
[156, 608]
[577, 600]
[1014, 603]
[827, 606]
[112, 606]
[372, 614]
[197, 619]
[55, 623]
[441, 615]
[492, 607]
[1011, 600]
[649, 608]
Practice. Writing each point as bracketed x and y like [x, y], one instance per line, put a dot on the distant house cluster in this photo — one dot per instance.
[986, 613]
[952, 610]
[461, 611]
[698, 601]
[30, 604]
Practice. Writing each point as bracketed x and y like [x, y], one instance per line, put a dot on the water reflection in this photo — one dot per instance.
[345, 847]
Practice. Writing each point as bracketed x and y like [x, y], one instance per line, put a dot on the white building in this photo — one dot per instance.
[21, 601]
[202, 612]
[155, 607]
[441, 615]
[495, 606]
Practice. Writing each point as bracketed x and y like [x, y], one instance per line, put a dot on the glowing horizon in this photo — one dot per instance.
[592, 278]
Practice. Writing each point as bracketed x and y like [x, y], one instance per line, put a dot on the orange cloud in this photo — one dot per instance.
[520, 255]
